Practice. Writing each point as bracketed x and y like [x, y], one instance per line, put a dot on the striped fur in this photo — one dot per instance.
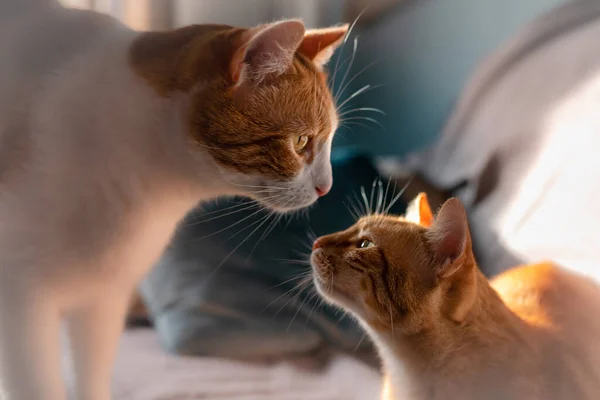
[243, 109]
[443, 330]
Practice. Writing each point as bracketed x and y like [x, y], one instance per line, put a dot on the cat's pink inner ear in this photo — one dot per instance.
[449, 236]
[319, 45]
[266, 50]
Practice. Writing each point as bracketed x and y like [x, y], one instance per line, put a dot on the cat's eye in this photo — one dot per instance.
[365, 244]
[300, 142]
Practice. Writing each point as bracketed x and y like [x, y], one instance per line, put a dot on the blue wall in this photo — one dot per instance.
[427, 50]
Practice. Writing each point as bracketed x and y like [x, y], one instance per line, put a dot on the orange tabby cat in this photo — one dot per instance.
[443, 330]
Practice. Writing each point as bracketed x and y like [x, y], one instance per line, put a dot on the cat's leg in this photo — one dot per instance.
[30, 366]
[94, 332]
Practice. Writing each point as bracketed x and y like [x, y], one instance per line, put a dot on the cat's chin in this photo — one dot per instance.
[285, 206]
[325, 282]
[334, 296]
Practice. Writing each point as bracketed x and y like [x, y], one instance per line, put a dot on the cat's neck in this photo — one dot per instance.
[423, 364]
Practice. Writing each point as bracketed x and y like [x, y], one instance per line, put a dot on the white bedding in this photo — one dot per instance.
[145, 372]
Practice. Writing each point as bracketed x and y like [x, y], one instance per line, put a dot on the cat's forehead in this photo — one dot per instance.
[310, 95]
[388, 229]
[378, 222]
[298, 102]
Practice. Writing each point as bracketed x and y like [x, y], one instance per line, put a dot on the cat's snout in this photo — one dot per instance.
[322, 190]
[317, 244]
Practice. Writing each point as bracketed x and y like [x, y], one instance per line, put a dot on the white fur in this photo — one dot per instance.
[95, 173]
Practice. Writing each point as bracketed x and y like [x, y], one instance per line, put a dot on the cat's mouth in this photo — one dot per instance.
[324, 275]
[322, 268]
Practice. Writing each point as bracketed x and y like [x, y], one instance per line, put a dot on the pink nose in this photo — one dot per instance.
[317, 244]
[322, 190]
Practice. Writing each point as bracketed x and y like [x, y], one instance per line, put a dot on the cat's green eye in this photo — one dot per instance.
[365, 244]
[300, 142]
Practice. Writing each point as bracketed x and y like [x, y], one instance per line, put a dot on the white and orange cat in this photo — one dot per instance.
[108, 137]
[443, 330]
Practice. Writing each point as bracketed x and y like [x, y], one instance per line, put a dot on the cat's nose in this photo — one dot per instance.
[322, 190]
[317, 244]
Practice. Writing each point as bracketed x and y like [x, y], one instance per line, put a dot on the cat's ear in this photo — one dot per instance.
[319, 45]
[450, 241]
[266, 50]
[449, 238]
[419, 212]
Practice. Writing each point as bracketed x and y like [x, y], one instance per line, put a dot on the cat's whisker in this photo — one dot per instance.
[316, 304]
[307, 244]
[266, 233]
[385, 195]
[301, 275]
[265, 191]
[397, 197]
[296, 313]
[302, 286]
[353, 95]
[352, 211]
[289, 220]
[393, 191]
[201, 221]
[365, 200]
[311, 299]
[359, 73]
[354, 48]
[292, 261]
[362, 90]
[244, 229]
[355, 110]
[273, 201]
[296, 287]
[264, 220]
[371, 198]
[379, 196]
[338, 66]
[359, 205]
[354, 24]
[343, 315]
[348, 123]
[331, 288]
[341, 50]
[301, 254]
[259, 186]
[270, 228]
[364, 335]
[312, 236]
[203, 214]
[229, 226]
[357, 209]
[373, 120]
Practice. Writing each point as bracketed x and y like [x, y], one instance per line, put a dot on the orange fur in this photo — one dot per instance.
[444, 331]
[246, 125]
